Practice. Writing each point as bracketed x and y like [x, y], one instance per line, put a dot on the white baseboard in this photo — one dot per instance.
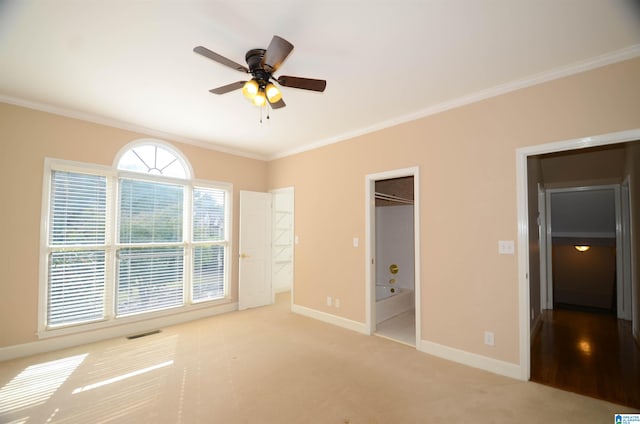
[495, 366]
[77, 339]
[360, 327]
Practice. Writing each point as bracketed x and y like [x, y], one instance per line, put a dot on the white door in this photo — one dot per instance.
[254, 271]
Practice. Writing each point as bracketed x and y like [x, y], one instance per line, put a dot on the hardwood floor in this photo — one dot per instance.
[591, 354]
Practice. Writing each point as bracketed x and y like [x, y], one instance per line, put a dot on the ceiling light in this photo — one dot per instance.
[273, 94]
[259, 99]
[582, 247]
[250, 89]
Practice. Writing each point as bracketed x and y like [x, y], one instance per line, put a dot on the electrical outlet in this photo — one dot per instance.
[329, 301]
[489, 338]
[337, 303]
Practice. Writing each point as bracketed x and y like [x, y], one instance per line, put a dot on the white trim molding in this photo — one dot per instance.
[529, 81]
[523, 224]
[330, 319]
[474, 360]
[370, 245]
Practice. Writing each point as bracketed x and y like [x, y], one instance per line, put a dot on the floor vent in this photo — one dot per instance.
[148, 333]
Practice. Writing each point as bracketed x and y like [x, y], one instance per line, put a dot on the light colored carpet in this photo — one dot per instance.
[267, 365]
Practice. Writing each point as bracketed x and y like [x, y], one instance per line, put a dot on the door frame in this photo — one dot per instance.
[627, 248]
[370, 245]
[274, 192]
[622, 305]
[523, 226]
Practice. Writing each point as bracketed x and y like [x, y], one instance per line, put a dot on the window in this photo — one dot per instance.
[124, 242]
[77, 245]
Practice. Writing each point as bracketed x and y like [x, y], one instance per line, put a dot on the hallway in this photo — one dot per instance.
[587, 353]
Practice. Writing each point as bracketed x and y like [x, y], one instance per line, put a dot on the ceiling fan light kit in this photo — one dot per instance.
[250, 89]
[262, 63]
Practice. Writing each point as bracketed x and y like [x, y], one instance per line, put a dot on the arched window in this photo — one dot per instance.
[140, 237]
[153, 158]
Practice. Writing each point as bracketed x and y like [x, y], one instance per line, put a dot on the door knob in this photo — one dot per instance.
[243, 256]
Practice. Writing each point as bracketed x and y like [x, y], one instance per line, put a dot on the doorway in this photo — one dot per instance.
[568, 326]
[283, 238]
[266, 248]
[393, 284]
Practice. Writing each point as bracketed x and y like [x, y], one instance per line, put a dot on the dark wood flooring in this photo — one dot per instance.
[587, 353]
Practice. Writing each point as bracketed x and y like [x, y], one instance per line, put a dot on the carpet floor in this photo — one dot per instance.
[268, 365]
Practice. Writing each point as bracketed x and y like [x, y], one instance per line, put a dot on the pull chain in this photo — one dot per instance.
[266, 106]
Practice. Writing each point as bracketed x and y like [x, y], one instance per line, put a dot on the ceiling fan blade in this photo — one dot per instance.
[227, 88]
[276, 53]
[277, 105]
[304, 83]
[203, 51]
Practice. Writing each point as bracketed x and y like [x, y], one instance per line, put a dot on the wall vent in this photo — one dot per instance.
[148, 333]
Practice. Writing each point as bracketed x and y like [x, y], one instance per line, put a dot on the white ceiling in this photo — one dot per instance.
[130, 63]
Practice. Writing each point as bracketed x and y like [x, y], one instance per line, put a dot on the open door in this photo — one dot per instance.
[254, 273]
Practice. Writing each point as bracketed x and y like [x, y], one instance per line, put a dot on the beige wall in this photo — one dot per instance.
[468, 201]
[467, 192]
[584, 278]
[26, 138]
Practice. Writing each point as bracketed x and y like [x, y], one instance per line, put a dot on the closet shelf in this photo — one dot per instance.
[283, 261]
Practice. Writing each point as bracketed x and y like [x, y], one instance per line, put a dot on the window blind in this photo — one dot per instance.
[209, 233]
[208, 214]
[208, 272]
[150, 212]
[149, 277]
[78, 209]
[76, 260]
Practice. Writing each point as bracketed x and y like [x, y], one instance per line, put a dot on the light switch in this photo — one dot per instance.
[356, 242]
[296, 240]
[506, 247]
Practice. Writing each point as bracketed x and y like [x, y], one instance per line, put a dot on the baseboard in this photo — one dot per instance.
[330, 319]
[495, 366]
[77, 339]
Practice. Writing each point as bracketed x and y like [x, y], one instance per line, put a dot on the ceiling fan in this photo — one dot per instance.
[262, 63]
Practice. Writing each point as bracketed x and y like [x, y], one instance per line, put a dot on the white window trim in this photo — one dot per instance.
[112, 174]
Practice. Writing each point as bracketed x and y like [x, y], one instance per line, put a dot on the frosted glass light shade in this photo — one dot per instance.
[259, 99]
[273, 94]
[250, 89]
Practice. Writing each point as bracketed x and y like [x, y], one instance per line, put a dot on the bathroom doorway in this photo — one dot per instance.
[393, 286]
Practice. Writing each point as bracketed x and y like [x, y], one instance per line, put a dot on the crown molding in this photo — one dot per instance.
[100, 120]
[565, 71]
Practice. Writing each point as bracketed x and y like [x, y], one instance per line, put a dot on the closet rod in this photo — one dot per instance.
[392, 198]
